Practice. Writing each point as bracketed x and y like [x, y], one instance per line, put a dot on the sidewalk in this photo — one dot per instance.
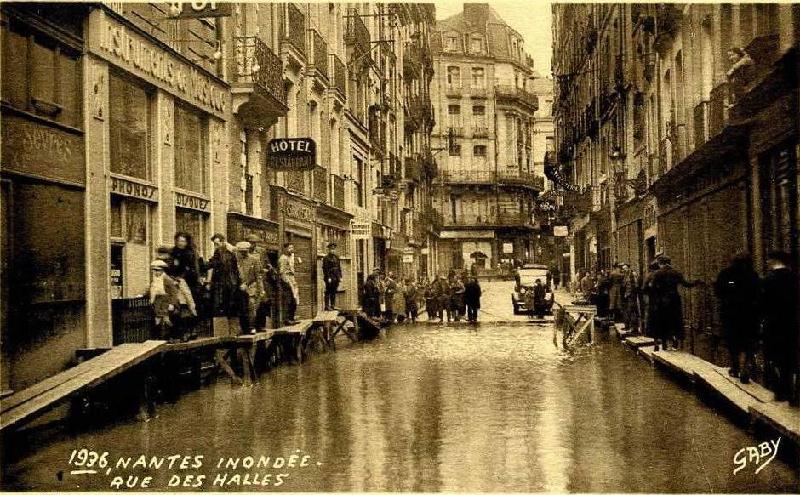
[751, 402]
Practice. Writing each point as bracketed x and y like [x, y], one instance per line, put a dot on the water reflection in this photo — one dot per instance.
[434, 409]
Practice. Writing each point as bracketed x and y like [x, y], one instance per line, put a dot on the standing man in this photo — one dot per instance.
[781, 327]
[737, 291]
[668, 307]
[224, 282]
[290, 290]
[332, 272]
[472, 297]
[251, 288]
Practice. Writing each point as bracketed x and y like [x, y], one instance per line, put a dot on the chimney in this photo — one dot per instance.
[476, 15]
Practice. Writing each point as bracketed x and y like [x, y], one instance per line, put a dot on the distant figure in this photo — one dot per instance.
[224, 285]
[781, 346]
[556, 276]
[370, 302]
[666, 303]
[389, 291]
[539, 294]
[630, 298]
[332, 275]
[251, 288]
[442, 291]
[411, 296]
[615, 281]
[456, 298]
[737, 289]
[399, 301]
[472, 298]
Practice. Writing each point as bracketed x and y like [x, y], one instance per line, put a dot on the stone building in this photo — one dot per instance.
[485, 112]
[129, 122]
[679, 125]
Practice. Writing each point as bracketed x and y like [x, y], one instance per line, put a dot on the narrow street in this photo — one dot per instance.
[444, 408]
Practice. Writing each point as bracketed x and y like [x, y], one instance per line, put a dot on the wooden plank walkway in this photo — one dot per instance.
[30, 403]
[639, 341]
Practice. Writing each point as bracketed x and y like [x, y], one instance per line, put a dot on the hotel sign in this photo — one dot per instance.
[121, 45]
[201, 9]
[292, 154]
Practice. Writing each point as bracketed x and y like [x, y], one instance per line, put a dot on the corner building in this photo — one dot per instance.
[485, 107]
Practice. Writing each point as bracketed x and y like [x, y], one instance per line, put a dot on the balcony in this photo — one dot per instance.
[357, 36]
[718, 110]
[478, 93]
[491, 177]
[430, 169]
[321, 184]
[502, 219]
[480, 132]
[455, 131]
[519, 95]
[757, 79]
[258, 91]
[294, 30]
[668, 20]
[412, 61]
[338, 76]
[413, 169]
[453, 90]
[318, 56]
[338, 192]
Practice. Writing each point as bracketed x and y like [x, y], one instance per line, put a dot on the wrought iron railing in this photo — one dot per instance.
[502, 219]
[295, 29]
[506, 177]
[480, 132]
[133, 321]
[519, 94]
[338, 192]
[321, 184]
[338, 75]
[357, 34]
[256, 63]
[413, 168]
[319, 52]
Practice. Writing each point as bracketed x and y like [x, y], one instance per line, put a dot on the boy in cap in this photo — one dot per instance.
[164, 298]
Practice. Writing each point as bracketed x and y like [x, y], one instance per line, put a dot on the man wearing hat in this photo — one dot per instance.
[666, 303]
[224, 284]
[332, 272]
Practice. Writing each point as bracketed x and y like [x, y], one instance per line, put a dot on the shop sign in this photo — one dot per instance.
[408, 258]
[126, 187]
[135, 53]
[201, 9]
[292, 154]
[360, 230]
[183, 200]
[408, 250]
[560, 231]
[296, 210]
[474, 234]
[424, 251]
[508, 248]
[42, 150]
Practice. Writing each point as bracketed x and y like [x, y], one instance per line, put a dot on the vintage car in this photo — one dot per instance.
[522, 297]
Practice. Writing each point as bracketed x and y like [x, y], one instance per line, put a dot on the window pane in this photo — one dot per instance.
[136, 221]
[14, 81]
[70, 96]
[42, 73]
[129, 128]
[190, 170]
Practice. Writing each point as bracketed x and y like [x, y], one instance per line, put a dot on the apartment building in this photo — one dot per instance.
[485, 113]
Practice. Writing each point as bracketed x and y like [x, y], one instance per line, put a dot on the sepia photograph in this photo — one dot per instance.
[513, 246]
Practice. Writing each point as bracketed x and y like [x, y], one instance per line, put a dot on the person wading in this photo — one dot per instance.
[737, 289]
[332, 273]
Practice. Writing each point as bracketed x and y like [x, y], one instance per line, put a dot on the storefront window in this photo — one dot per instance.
[130, 246]
[129, 124]
[190, 163]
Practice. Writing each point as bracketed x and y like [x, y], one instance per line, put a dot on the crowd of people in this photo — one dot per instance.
[394, 299]
[755, 313]
[238, 287]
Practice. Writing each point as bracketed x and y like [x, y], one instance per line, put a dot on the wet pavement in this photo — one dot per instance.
[438, 408]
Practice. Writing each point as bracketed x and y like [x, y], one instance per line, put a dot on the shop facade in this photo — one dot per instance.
[155, 128]
[43, 178]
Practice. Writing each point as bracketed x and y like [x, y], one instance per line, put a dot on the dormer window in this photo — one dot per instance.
[476, 45]
[452, 44]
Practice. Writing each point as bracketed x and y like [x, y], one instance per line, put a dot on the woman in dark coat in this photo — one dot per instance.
[185, 263]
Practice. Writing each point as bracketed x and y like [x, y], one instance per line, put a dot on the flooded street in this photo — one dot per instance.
[431, 408]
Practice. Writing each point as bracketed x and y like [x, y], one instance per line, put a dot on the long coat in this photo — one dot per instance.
[665, 302]
[780, 316]
[224, 282]
[738, 289]
[472, 294]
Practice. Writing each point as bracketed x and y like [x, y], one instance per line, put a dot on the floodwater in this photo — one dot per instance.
[431, 408]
